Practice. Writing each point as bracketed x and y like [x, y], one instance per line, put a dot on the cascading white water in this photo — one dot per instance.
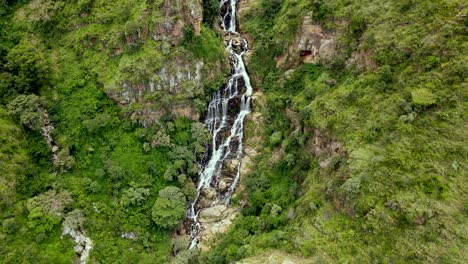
[225, 120]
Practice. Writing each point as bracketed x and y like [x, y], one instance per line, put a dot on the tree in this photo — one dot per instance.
[160, 139]
[42, 10]
[50, 202]
[100, 121]
[423, 97]
[116, 174]
[201, 136]
[64, 160]
[27, 109]
[47, 209]
[74, 220]
[135, 196]
[28, 68]
[170, 207]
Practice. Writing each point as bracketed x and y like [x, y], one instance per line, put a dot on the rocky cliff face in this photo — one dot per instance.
[176, 15]
[157, 73]
[312, 44]
[171, 91]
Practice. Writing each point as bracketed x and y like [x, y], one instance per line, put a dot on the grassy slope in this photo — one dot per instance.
[398, 193]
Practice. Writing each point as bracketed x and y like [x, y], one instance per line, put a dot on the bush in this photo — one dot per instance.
[423, 97]
[276, 138]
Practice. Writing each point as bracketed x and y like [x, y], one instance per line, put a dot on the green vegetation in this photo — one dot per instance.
[62, 60]
[362, 163]
[364, 156]
[170, 207]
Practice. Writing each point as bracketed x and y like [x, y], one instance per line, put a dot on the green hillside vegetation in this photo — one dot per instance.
[59, 57]
[395, 191]
[360, 163]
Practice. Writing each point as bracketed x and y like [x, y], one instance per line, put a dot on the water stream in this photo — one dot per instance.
[220, 171]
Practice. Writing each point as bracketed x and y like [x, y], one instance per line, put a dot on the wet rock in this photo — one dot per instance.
[224, 183]
[229, 170]
[203, 203]
[222, 186]
[209, 193]
[234, 106]
[238, 44]
[130, 235]
[232, 164]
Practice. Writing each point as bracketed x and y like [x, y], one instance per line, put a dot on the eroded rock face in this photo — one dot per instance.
[180, 76]
[312, 45]
[325, 147]
[178, 13]
[362, 59]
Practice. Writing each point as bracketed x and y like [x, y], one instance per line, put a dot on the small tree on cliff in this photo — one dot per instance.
[170, 207]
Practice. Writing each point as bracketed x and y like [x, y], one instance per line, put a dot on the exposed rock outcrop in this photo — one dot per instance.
[130, 235]
[47, 130]
[362, 59]
[325, 147]
[178, 14]
[312, 45]
[215, 219]
[170, 90]
[83, 244]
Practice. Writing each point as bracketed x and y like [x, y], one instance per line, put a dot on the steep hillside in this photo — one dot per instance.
[354, 151]
[364, 157]
[99, 123]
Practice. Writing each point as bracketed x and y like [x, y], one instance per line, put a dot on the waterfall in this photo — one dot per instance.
[225, 121]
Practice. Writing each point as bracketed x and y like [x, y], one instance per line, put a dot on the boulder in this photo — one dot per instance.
[209, 193]
[215, 219]
[222, 186]
[212, 214]
[130, 235]
[78, 249]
